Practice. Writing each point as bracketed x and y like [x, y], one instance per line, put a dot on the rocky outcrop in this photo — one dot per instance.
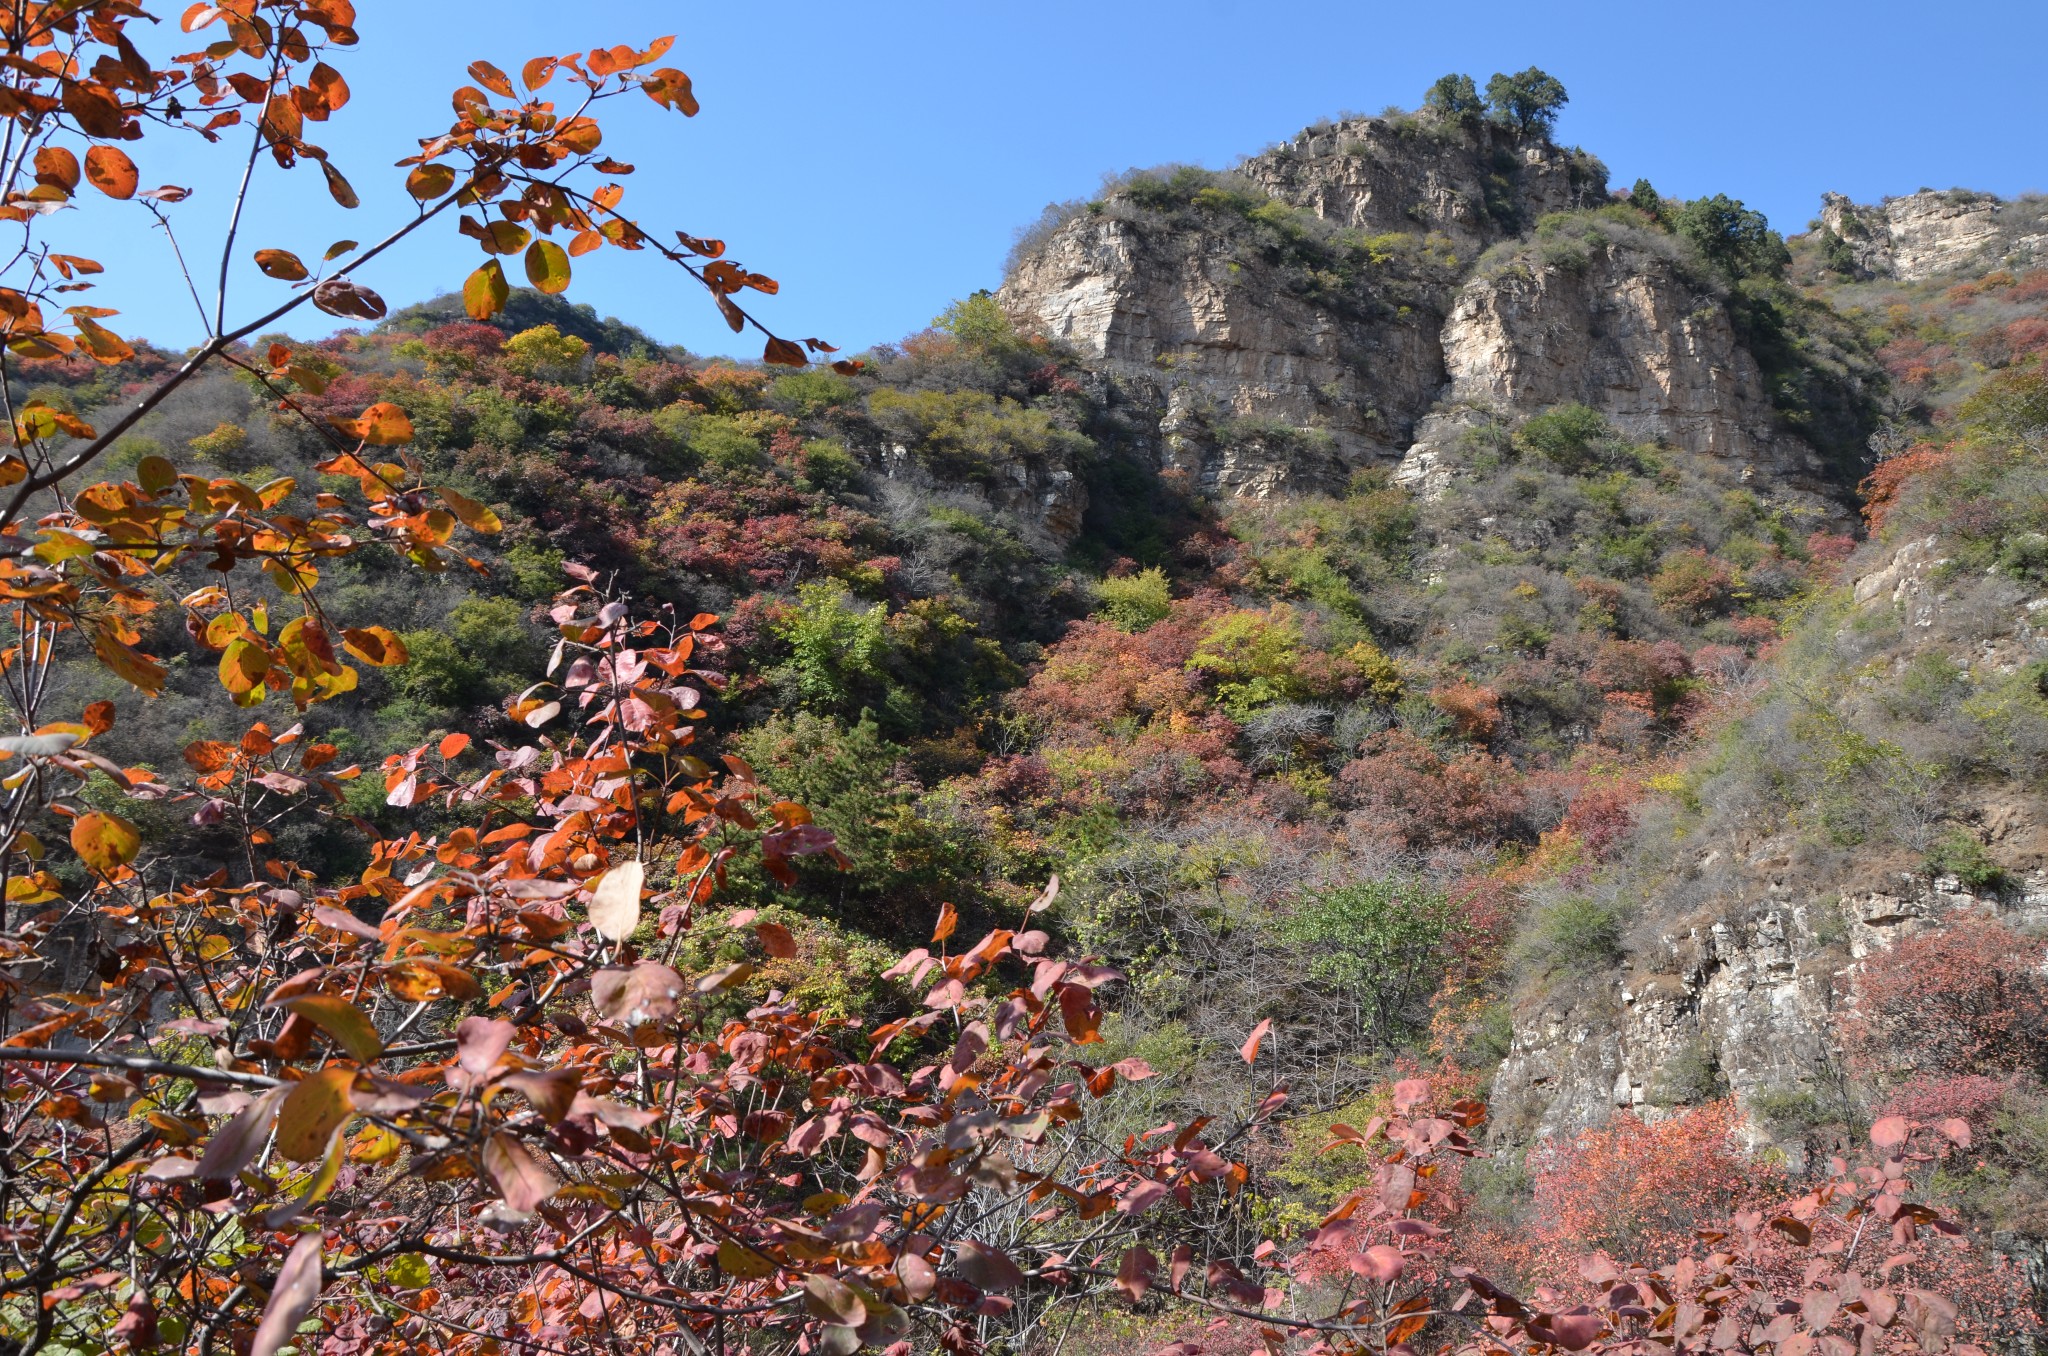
[1753, 1000]
[1241, 323]
[1473, 183]
[1198, 327]
[1619, 328]
[1230, 332]
[1923, 234]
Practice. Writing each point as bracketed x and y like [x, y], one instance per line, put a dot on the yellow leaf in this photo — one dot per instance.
[105, 842]
[474, 516]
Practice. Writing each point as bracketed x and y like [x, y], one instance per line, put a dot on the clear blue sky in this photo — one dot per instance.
[878, 158]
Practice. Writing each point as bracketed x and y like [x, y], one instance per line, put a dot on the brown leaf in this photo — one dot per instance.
[518, 1175]
[281, 264]
[987, 1267]
[1135, 1272]
[292, 1298]
[647, 992]
[832, 1301]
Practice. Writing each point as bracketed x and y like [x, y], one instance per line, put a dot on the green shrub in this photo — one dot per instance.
[1133, 602]
[482, 651]
[1378, 944]
[1568, 436]
[1958, 853]
[1573, 933]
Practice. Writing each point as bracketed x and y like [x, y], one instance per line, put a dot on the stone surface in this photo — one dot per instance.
[1627, 334]
[1473, 184]
[1221, 350]
[1924, 234]
[1206, 336]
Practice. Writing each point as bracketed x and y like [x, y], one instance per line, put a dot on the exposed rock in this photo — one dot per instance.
[1757, 999]
[1224, 340]
[1927, 233]
[1473, 183]
[1200, 324]
[1903, 582]
[1199, 328]
[1622, 330]
[1042, 495]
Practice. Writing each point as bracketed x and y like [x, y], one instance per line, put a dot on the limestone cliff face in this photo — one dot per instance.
[1474, 185]
[1264, 368]
[1755, 994]
[1206, 336]
[1622, 330]
[1921, 235]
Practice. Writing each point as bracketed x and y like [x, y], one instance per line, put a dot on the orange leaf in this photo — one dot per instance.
[281, 264]
[485, 292]
[111, 171]
[1250, 1048]
[949, 919]
[375, 645]
[429, 182]
[491, 78]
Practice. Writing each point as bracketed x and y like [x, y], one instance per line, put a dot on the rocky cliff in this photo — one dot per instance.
[1924, 234]
[1325, 306]
[1607, 317]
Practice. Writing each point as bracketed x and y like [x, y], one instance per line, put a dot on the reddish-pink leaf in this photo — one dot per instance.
[1250, 1048]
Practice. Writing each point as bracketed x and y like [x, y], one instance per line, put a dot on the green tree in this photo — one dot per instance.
[1454, 98]
[836, 648]
[1569, 435]
[977, 322]
[1377, 943]
[1527, 101]
[1645, 199]
[1735, 239]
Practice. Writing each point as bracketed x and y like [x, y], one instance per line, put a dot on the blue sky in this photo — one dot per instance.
[878, 158]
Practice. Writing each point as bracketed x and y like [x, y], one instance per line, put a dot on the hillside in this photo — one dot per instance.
[1578, 644]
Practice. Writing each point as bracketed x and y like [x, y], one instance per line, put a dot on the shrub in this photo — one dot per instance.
[1633, 1187]
[1377, 943]
[545, 352]
[1133, 602]
[1568, 436]
[1958, 853]
[1693, 584]
[1573, 932]
[1967, 998]
[977, 322]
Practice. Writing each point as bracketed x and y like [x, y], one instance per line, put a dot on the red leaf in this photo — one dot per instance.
[1250, 1048]
[1134, 1273]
